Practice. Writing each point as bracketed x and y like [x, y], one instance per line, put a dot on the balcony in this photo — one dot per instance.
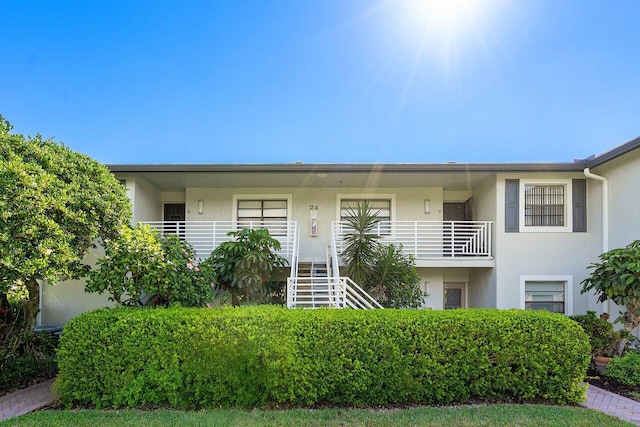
[205, 236]
[433, 243]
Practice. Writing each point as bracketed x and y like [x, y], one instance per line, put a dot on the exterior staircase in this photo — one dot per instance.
[312, 287]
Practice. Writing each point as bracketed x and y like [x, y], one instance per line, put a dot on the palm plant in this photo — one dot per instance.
[383, 270]
[361, 243]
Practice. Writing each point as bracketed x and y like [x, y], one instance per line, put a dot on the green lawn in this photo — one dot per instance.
[492, 415]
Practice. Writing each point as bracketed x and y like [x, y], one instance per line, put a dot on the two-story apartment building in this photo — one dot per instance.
[502, 235]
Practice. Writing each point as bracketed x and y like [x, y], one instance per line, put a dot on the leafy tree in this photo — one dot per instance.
[141, 268]
[244, 266]
[382, 270]
[54, 203]
[617, 277]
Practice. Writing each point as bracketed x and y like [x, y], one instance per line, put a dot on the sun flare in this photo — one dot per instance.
[444, 15]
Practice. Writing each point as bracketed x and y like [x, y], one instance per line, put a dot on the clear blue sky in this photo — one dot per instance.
[326, 81]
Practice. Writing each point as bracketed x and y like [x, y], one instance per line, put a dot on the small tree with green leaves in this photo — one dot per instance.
[382, 270]
[142, 268]
[394, 280]
[245, 265]
[54, 204]
[617, 277]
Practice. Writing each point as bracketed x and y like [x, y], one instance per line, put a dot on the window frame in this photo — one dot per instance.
[568, 206]
[369, 196]
[568, 289]
[264, 197]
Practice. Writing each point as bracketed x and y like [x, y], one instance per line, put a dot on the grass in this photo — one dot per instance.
[482, 415]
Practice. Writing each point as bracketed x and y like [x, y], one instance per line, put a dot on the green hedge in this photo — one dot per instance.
[625, 369]
[257, 356]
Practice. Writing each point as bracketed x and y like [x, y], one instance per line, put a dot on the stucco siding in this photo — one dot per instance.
[408, 205]
[544, 254]
[623, 174]
[64, 300]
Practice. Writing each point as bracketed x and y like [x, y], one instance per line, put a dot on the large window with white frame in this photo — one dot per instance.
[550, 293]
[381, 207]
[545, 205]
[266, 211]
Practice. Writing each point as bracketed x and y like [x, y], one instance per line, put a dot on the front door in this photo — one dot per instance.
[453, 211]
[174, 217]
[174, 212]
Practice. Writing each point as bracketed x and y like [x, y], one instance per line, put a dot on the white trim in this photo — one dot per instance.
[568, 289]
[568, 206]
[236, 197]
[391, 197]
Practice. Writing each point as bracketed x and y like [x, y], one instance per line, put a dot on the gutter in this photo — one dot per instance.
[605, 215]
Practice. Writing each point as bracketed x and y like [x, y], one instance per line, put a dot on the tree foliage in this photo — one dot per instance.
[54, 203]
[142, 268]
[394, 280]
[617, 277]
[244, 266]
[382, 270]
[360, 242]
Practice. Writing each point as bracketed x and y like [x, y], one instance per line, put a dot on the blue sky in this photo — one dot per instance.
[329, 81]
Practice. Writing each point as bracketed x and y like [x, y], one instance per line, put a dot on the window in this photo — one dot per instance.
[544, 205]
[380, 207]
[544, 296]
[267, 213]
[551, 293]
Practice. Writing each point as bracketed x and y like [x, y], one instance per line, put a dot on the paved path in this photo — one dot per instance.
[37, 396]
[613, 404]
[26, 400]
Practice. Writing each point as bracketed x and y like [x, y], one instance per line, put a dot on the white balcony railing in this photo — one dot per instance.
[205, 236]
[427, 240]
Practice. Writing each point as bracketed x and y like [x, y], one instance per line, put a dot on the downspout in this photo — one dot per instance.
[605, 215]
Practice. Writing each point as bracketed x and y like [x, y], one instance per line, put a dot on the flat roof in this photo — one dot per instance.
[576, 166]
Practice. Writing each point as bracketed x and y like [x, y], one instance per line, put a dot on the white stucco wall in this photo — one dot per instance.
[409, 205]
[623, 174]
[146, 201]
[544, 254]
[481, 291]
[64, 300]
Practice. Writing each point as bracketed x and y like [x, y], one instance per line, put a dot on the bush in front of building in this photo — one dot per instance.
[625, 369]
[271, 356]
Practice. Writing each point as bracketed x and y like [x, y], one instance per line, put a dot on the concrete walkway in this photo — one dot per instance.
[26, 400]
[613, 404]
[39, 395]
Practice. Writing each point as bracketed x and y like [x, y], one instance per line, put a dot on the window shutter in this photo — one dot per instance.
[512, 201]
[579, 205]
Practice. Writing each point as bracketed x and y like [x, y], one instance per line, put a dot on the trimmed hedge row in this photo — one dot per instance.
[257, 356]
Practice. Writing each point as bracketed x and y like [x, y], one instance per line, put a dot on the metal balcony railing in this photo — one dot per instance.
[205, 236]
[427, 240]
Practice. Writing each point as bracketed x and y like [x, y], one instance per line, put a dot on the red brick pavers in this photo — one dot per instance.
[26, 400]
[613, 404]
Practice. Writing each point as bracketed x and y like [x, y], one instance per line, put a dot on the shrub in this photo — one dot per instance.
[24, 355]
[625, 369]
[244, 266]
[140, 267]
[265, 355]
[602, 338]
[20, 372]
